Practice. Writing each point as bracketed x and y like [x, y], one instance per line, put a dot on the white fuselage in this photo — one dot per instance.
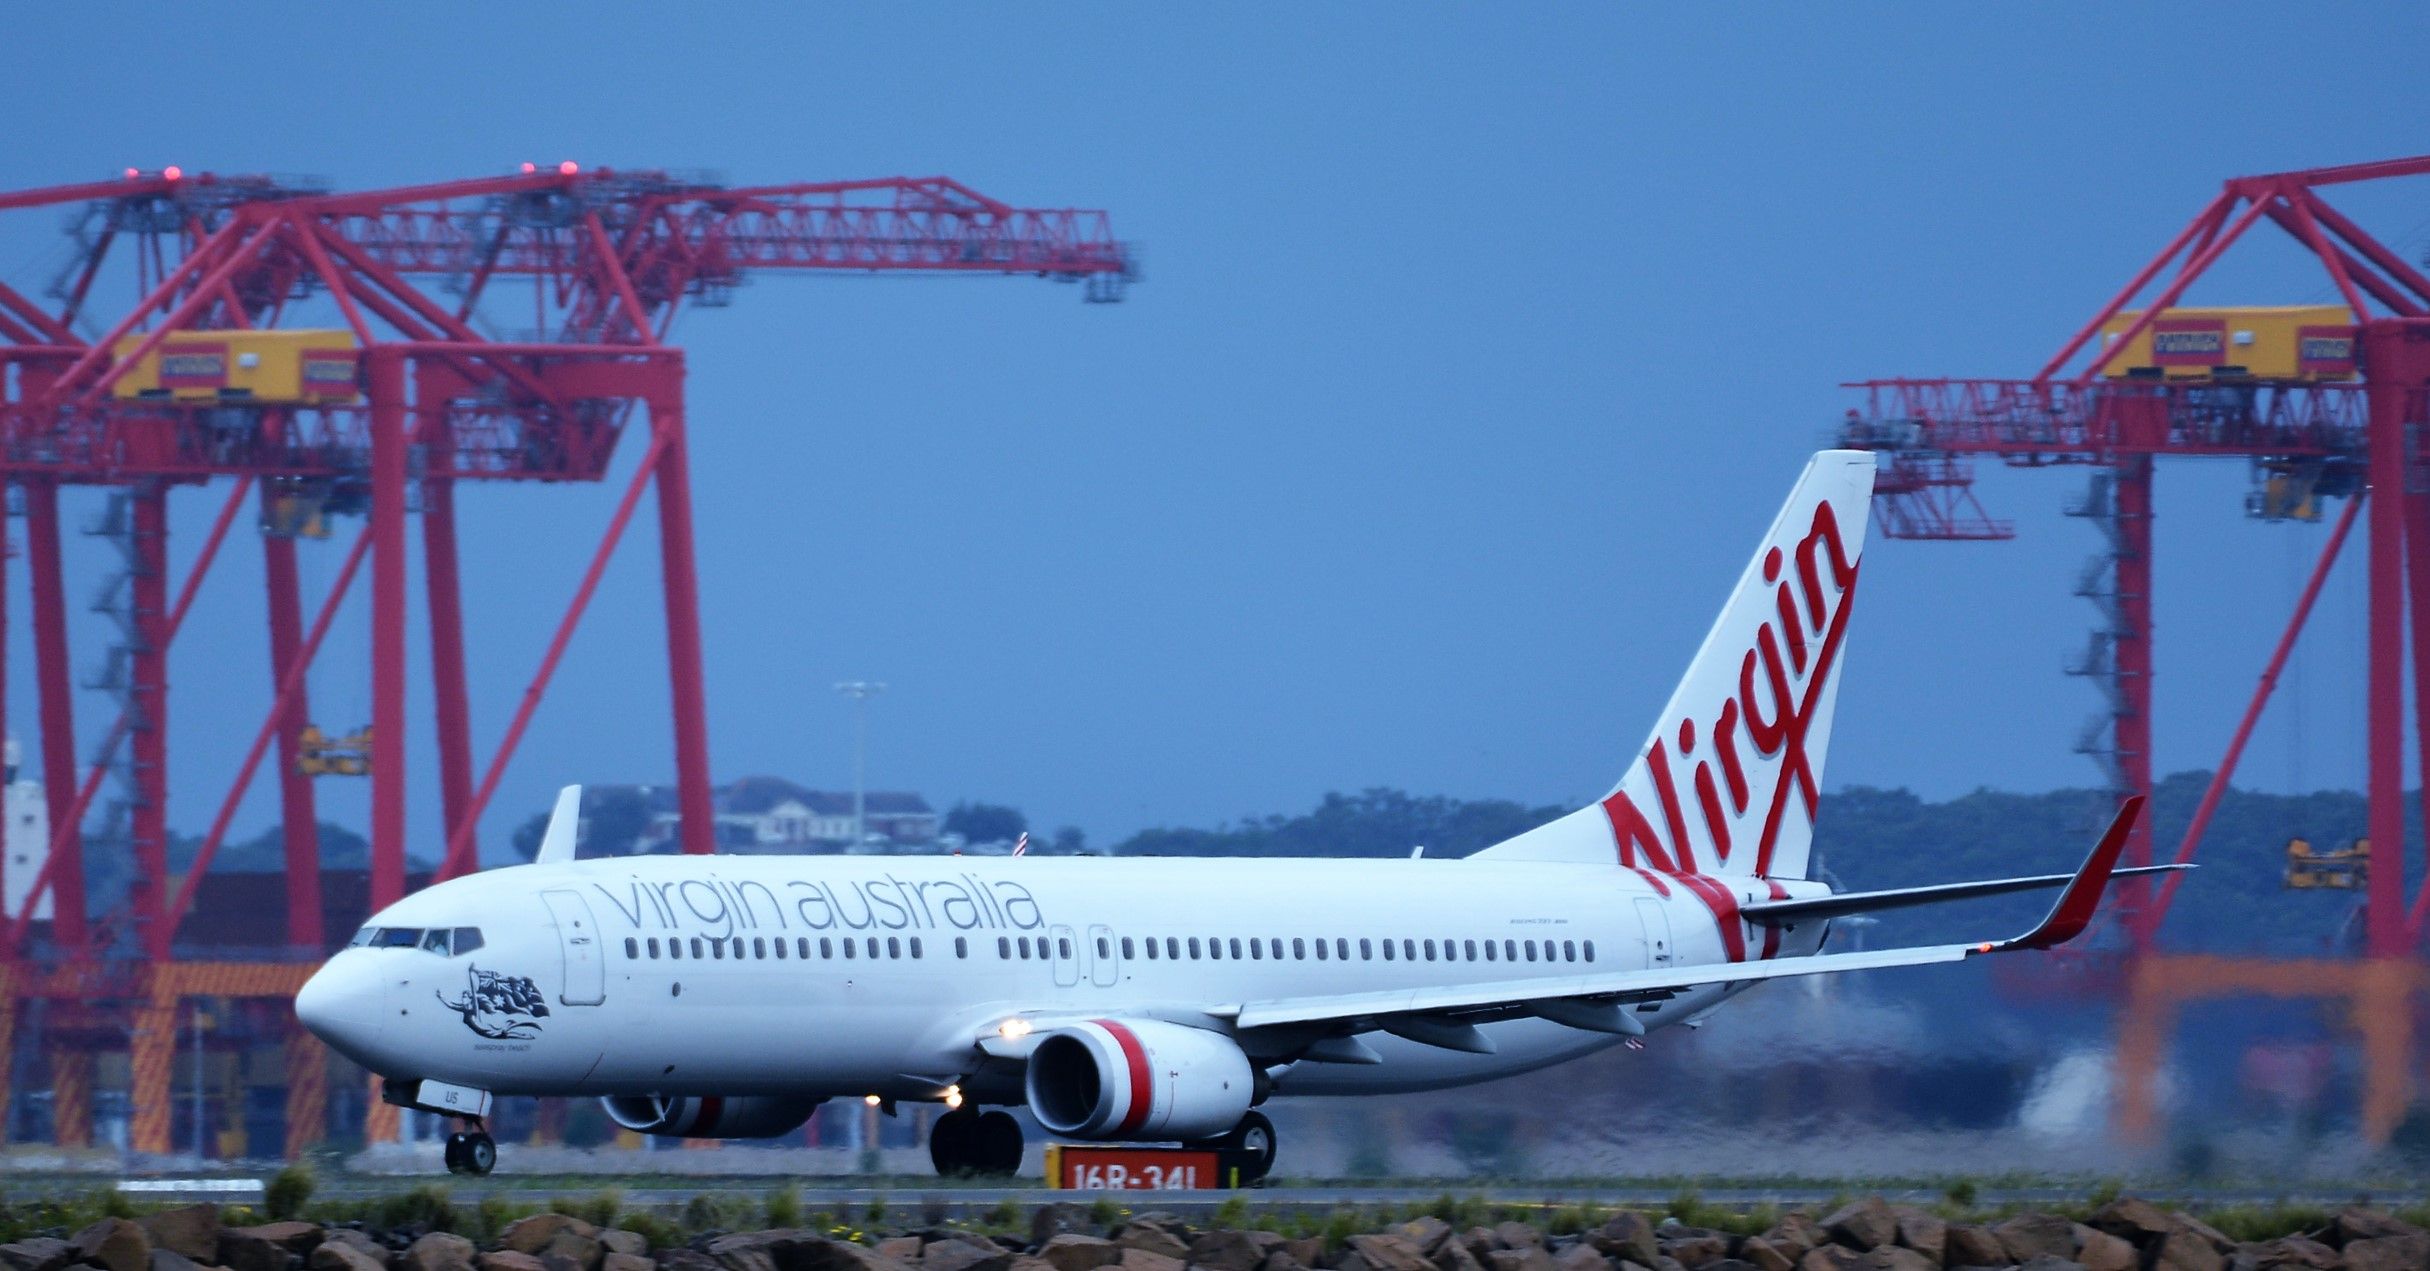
[848, 976]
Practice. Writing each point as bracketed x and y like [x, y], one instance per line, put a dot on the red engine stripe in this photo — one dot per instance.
[704, 1120]
[1142, 1082]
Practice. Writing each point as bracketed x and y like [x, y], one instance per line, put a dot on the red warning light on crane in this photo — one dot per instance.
[172, 172]
[568, 168]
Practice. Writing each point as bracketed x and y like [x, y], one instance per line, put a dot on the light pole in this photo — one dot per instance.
[860, 691]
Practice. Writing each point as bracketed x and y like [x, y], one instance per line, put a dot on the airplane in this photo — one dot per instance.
[1165, 1000]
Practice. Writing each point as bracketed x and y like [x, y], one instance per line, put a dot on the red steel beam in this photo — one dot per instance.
[2397, 359]
[2252, 715]
[445, 602]
[2211, 213]
[148, 704]
[384, 384]
[65, 863]
[676, 556]
[299, 819]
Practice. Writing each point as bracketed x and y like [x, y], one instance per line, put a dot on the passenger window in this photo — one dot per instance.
[1409, 949]
[1256, 949]
[759, 946]
[1430, 951]
[1214, 948]
[1489, 951]
[1126, 948]
[1569, 951]
[1510, 951]
[1590, 950]
[1341, 949]
[961, 946]
[1388, 951]
[849, 950]
[825, 950]
[1063, 946]
[1193, 948]
[872, 950]
[1530, 947]
[653, 948]
[779, 945]
[1172, 948]
[1366, 951]
[467, 940]
[1320, 948]
[696, 950]
[1468, 950]
[801, 947]
[632, 947]
[915, 946]
[1004, 947]
[1236, 948]
[717, 948]
[894, 947]
[1025, 948]
[675, 949]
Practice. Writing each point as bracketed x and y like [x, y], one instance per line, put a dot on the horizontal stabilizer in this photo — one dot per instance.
[1775, 913]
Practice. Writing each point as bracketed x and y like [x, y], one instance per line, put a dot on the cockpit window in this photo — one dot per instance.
[435, 940]
[467, 939]
[362, 937]
[396, 937]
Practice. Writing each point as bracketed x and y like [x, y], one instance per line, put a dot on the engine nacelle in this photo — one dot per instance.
[1138, 1079]
[709, 1116]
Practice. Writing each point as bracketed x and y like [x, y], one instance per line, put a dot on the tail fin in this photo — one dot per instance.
[1727, 783]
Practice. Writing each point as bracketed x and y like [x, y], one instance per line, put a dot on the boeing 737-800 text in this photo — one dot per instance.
[1165, 999]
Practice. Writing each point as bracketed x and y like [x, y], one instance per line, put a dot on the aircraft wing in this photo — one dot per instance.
[1446, 1016]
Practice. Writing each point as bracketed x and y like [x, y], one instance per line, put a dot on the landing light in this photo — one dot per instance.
[953, 1096]
[870, 1099]
[1013, 1029]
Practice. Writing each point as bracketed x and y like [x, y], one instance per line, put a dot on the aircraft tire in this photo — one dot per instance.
[996, 1144]
[1253, 1137]
[480, 1154]
[953, 1142]
[455, 1152]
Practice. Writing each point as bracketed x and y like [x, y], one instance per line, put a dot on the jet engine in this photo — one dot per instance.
[1139, 1079]
[709, 1116]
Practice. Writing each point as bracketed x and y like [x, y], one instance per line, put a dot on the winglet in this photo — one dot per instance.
[2074, 912]
[557, 845]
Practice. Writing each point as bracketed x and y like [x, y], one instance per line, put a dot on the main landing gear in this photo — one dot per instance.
[471, 1150]
[967, 1141]
[1250, 1143]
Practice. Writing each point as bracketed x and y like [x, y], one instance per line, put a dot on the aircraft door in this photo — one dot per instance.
[578, 940]
[1104, 961]
[1065, 949]
[1654, 922]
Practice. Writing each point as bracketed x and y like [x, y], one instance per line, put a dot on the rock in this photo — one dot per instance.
[1307, 1251]
[1923, 1231]
[37, 1253]
[2292, 1253]
[172, 1260]
[682, 1260]
[1452, 1255]
[1051, 1221]
[618, 1240]
[191, 1231]
[354, 1239]
[1763, 1255]
[742, 1251]
[2356, 1223]
[1832, 1257]
[1159, 1240]
[615, 1261]
[964, 1254]
[2051, 1262]
[1232, 1250]
[1386, 1252]
[2185, 1250]
[1427, 1233]
[1698, 1250]
[345, 1255]
[1074, 1252]
[1581, 1257]
[1971, 1246]
[2387, 1253]
[532, 1235]
[1517, 1235]
[1795, 1233]
[509, 1260]
[266, 1247]
[579, 1248]
[1894, 1258]
[1531, 1259]
[1628, 1236]
[1142, 1260]
[899, 1248]
[2133, 1219]
[804, 1251]
[2030, 1236]
[438, 1251]
[2101, 1251]
[1867, 1224]
[114, 1243]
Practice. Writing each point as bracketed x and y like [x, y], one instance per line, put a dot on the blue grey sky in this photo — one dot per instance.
[1477, 344]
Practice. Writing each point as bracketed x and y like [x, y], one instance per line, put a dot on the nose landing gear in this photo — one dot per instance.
[471, 1150]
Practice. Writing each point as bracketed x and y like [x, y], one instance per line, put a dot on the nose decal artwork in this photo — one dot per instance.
[499, 1007]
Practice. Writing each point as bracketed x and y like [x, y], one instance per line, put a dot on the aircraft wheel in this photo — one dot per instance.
[953, 1142]
[455, 1152]
[1254, 1136]
[480, 1153]
[995, 1144]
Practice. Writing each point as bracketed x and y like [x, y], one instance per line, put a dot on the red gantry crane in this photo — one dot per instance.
[2325, 404]
[334, 352]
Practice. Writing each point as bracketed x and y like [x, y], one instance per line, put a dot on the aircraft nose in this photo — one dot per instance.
[341, 1005]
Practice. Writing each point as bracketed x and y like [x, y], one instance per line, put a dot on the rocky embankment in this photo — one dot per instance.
[2124, 1235]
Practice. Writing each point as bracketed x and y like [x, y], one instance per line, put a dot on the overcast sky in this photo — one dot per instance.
[1477, 344]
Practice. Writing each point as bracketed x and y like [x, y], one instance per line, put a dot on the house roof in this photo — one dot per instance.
[754, 796]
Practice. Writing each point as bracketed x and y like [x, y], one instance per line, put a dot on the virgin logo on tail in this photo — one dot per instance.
[1755, 747]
